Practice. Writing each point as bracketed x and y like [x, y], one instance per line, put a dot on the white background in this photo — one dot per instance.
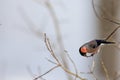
[21, 47]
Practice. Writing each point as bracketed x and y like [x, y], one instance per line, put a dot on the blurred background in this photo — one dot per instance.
[68, 24]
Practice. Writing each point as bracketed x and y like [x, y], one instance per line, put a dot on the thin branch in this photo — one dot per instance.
[31, 73]
[110, 20]
[71, 73]
[93, 6]
[47, 72]
[51, 10]
[58, 34]
[65, 69]
[58, 64]
[92, 70]
[47, 42]
[102, 17]
[56, 23]
[93, 65]
[112, 32]
[73, 65]
[105, 70]
[51, 61]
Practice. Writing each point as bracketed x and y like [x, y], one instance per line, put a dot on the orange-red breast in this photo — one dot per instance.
[90, 48]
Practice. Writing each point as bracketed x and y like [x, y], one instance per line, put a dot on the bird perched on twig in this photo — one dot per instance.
[92, 47]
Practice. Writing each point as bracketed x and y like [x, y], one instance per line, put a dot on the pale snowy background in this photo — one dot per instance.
[21, 48]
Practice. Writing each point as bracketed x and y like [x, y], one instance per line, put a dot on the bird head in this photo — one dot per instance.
[83, 51]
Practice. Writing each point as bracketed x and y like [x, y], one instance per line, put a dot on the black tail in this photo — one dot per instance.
[104, 42]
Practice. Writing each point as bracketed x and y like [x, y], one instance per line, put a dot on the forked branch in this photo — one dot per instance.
[57, 63]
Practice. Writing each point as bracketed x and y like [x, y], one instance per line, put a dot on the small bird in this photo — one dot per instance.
[92, 47]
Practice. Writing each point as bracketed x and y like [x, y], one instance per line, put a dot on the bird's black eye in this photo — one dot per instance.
[93, 45]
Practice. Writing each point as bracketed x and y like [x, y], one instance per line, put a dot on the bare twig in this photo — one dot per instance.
[51, 61]
[73, 65]
[91, 72]
[30, 71]
[47, 42]
[60, 45]
[32, 74]
[47, 72]
[112, 33]
[58, 64]
[102, 17]
[105, 70]
[58, 34]
[110, 20]
[56, 24]
[71, 73]
[96, 14]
